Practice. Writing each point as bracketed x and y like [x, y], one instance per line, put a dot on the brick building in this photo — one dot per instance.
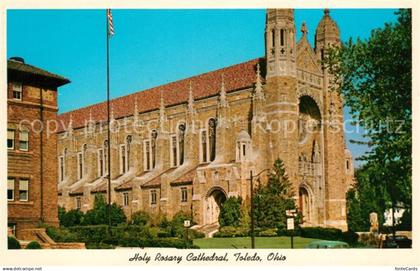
[188, 145]
[31, 153]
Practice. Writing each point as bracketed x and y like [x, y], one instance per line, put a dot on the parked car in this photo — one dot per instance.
[400, 241]
[327, 244]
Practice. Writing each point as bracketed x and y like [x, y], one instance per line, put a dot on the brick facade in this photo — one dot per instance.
[32, 167]
[237, 119]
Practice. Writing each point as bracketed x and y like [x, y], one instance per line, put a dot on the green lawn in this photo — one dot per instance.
[245, 242]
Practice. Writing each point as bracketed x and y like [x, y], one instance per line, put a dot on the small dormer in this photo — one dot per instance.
[243, 147]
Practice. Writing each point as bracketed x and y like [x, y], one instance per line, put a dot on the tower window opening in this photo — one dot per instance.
[273, 38]
[282, 37]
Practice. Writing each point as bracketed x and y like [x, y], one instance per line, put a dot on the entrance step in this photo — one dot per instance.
[209, 230]
[38, 234]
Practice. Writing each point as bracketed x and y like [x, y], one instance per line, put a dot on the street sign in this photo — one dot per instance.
[290, 223]
[187, 223]
[291, 212]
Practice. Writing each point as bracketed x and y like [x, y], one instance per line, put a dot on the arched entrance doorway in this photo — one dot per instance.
[213, 203]
[305, 205]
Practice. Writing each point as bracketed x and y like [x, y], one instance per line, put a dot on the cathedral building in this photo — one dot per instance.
[190, 144]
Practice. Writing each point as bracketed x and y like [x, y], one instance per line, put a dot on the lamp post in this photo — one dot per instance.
[252, 205]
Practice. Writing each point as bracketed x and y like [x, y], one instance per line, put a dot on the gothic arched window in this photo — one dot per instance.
[203, 139]
[181, 137]
[212, 138]
[153, 143]
[105, 159]
[128, 143]
[62, 165]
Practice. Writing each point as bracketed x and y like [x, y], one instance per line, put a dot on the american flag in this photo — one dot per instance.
[110, 23]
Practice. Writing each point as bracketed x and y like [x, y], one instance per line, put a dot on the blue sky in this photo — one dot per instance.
[153, 47]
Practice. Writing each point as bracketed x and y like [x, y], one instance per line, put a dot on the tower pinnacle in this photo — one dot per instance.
[222, 99]
[280, 43]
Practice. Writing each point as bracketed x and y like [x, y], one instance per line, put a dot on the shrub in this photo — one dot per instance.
[99, 214]
[132, 231]
[90, 234]
[164, 222]
[97, 234]
[322, 233]
[164, 233]
[12, 243]
[194, 234]
[230, 231]
[71, 218]
[268, 232]
[177, 228]
[140, 218]
[350, 237]
[61, 212]
[159, 220]
[98, 237]
[405, 221]
[154, 231]
[99, 246]
[230, 213]
[155, 242]
[33, 245]
[61, 235]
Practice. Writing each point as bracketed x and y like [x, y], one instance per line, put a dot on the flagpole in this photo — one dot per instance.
[109, 123]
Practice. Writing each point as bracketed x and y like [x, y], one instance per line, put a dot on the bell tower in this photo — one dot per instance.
[280, 43]
[281, 90]
[327, 36]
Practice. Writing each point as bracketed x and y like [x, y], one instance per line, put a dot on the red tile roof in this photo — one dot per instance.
[128, 185]
[101, 189]
[78, 191]
[155, 182]
[187, 178]
[236, 77]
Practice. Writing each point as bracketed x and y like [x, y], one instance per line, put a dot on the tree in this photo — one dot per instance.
[140, 218]
[99, 214]
[374, 76]
[231, 213]
[363, 199]
[273, 199]
[71, 218]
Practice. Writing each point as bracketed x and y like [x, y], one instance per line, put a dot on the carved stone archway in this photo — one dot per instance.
[215, 197]
[317, 98]
[306, 205]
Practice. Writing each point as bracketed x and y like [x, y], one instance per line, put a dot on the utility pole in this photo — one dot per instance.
[252, 212]
[109, 33]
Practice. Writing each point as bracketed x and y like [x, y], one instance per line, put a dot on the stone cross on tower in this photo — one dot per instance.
[304, 29]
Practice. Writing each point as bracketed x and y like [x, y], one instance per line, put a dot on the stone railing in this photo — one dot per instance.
[310, 78]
